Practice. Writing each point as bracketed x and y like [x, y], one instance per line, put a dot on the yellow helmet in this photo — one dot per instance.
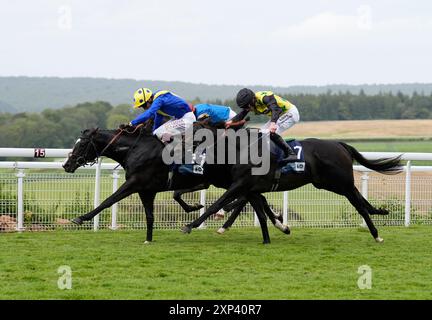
[141, 96]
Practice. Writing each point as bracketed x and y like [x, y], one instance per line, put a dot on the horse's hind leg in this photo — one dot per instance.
[375, 211]
[357, 200]
[186, 207]
[277, 220]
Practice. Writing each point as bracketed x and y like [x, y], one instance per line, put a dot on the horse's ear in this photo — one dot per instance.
[89, 132]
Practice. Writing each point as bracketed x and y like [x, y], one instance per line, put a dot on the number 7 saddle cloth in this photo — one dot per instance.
[296, 166]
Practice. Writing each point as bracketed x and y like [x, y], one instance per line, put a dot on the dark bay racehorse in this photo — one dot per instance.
[328, 166]
[140, 154]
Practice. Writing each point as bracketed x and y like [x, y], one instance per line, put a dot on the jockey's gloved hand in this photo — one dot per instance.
[125, 126]
[203, 116]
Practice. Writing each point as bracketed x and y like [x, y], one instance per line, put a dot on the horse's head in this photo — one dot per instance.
[84, 151]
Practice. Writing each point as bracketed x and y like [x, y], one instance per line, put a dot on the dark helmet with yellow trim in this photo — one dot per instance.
[245, 98]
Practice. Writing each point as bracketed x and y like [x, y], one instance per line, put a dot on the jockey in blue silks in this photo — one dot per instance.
[216, 113]
[162, 104]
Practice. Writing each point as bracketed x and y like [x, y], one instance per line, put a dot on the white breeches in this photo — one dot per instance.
[286, 121]
[176, 126]
[231, 115]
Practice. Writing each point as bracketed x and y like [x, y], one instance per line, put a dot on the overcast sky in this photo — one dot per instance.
[269, 42]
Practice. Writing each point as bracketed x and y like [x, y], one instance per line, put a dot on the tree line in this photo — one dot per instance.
[59, 128]
[348, 106]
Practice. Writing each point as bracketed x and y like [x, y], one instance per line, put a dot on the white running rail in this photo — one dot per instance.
[409, 194]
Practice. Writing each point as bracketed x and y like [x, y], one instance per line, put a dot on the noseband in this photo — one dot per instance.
[81, 159]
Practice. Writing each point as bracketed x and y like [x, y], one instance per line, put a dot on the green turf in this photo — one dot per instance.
[309, 264]
[396, 146]
[393, 146]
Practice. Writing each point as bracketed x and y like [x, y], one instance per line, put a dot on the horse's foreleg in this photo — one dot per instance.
[232, 193]
[276, 220]
[231, 206]
[147, 200]
[261, 207]
[126, 189]
[186, 207]
[257, 203]
[240, 204]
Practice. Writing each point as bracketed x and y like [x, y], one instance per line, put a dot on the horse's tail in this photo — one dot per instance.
[383, 165]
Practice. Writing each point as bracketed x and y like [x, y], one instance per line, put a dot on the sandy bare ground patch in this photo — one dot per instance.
[389, 188]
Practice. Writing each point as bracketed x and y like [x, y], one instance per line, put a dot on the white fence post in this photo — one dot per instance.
[285, 207]
[202, 210]
[97, 193]
[408, 194]
[115, 176]
[21, 166]
[20, 200]
[364, 191]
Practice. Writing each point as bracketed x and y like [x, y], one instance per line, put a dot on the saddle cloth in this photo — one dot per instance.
[297, 166]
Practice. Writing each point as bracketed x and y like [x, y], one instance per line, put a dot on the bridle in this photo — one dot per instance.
[81, 159]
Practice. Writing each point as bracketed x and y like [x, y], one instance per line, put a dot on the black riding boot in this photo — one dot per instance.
[290, 155]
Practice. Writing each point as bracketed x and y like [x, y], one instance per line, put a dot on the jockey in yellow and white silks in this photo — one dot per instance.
[283, 115]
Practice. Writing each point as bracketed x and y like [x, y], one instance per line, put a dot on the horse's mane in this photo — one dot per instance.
[206, 124]
[144, 129]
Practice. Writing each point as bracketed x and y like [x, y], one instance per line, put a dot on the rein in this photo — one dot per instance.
[115, 138]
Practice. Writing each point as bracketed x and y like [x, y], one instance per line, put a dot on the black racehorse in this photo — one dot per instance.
[328, 166]
[140, 153]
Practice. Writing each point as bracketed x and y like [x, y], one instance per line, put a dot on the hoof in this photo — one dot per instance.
[379, 240]
[197, 207]
[282, 227]
[186, 229]
[382, 211]
[219, 215]
[229, 207]
[77, 221]
[266, 242]
[287, 230]
[221, 230]
[147, 242]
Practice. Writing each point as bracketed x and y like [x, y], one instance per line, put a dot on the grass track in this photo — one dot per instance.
[309, 264]
[393, 146]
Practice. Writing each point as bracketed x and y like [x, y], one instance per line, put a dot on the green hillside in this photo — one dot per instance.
[34, 94]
